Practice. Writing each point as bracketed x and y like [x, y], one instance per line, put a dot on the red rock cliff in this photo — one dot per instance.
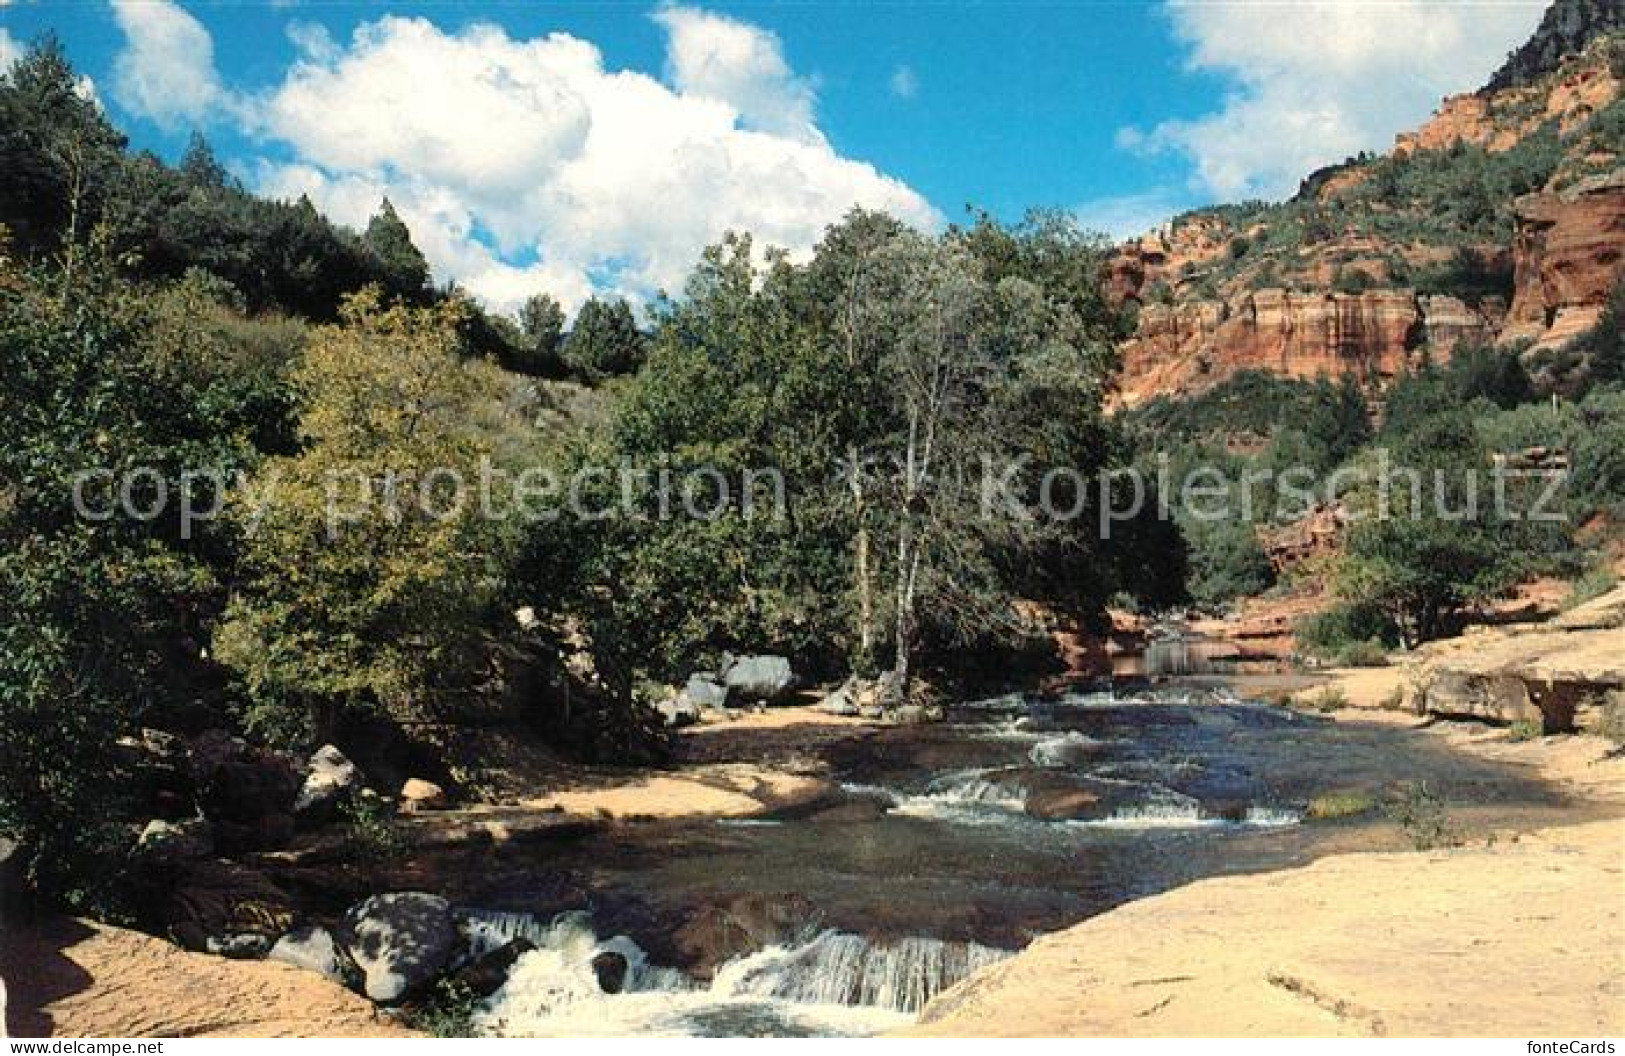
[1569, 251]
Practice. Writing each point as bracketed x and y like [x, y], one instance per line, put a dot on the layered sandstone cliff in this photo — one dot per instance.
[1569, 251]
[1375, 335]
[1324, 285]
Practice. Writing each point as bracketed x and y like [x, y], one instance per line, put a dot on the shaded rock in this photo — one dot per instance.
[216, 900]
[312, 949]
[713, 934]
[842, 701]
[399, 941]
[330, 778]
[159, 776]
[247, 792]
[679, 711]
[611, 969]
[420, 795]
[241, 946]
[858, 810]
[763, 678]
[173, 842]
[13, 886]
[704, 693]
[485, 975]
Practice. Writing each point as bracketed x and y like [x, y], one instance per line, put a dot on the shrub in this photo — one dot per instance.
[1328, 700]
[1330, 806]
[1369, 653]
[1227, 562]
[1348, 634]
[1611, 719]
[1419, 811]
[1526, 730]
[373, 833]
[446, 1012]
[1594, 584]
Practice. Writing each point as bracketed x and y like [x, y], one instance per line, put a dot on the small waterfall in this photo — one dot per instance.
[967, 796]
[1185, 813]
[1066, 750]
[1271, 817]
[835, 983]
[837, 968]
[489, 930]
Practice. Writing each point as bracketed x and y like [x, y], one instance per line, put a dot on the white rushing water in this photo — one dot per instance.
[967, 797]
[834, 984]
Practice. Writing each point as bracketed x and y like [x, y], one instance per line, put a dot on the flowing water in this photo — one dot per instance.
[951, 846]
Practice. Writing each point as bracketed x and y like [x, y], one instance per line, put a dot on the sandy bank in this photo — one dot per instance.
[1360, 944]
[78, 979]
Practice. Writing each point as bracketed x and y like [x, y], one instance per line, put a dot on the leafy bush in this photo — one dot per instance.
[1526, 730]
[446, 1012]
[373, 834]
[1345, 627]
[1331, 806]
[1328, 700]
[1594, 584]
[1227, 562]
[1611, 718]
[1369, 653]
[1420, 812]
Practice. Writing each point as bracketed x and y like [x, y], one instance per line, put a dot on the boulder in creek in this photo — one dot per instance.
[842, 701]
[764, 678]
[312, 949]
[704, 693]
[239, 946]
[610, 968]
[247, 792]
[330, 778]
[419, 795]
[679, 711]
[485, 974]
[400, 942]
[174, 842]
[215, 901]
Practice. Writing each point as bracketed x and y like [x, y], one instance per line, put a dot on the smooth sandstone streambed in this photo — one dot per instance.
[949, 847]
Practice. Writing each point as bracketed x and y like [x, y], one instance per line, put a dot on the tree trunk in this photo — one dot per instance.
[860, 571]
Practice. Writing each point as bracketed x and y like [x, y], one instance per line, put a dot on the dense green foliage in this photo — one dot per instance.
[104, 613]
[605, 341]
[352, 551]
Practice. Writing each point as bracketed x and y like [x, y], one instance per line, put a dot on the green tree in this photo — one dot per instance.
[390, 241]
[541, 332]
[605, 341]
[103, 606]
[58, 152]
[369, 570]
[200, 168]
[1431, 539]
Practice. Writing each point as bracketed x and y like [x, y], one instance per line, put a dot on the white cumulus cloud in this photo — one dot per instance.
[165, 72]
[1316, 81]
[524, 164]
[10, 50]
[716, 57]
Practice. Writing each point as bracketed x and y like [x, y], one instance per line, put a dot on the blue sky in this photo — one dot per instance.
[595, 146]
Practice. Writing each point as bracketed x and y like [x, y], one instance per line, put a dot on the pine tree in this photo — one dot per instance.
[390, 241]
